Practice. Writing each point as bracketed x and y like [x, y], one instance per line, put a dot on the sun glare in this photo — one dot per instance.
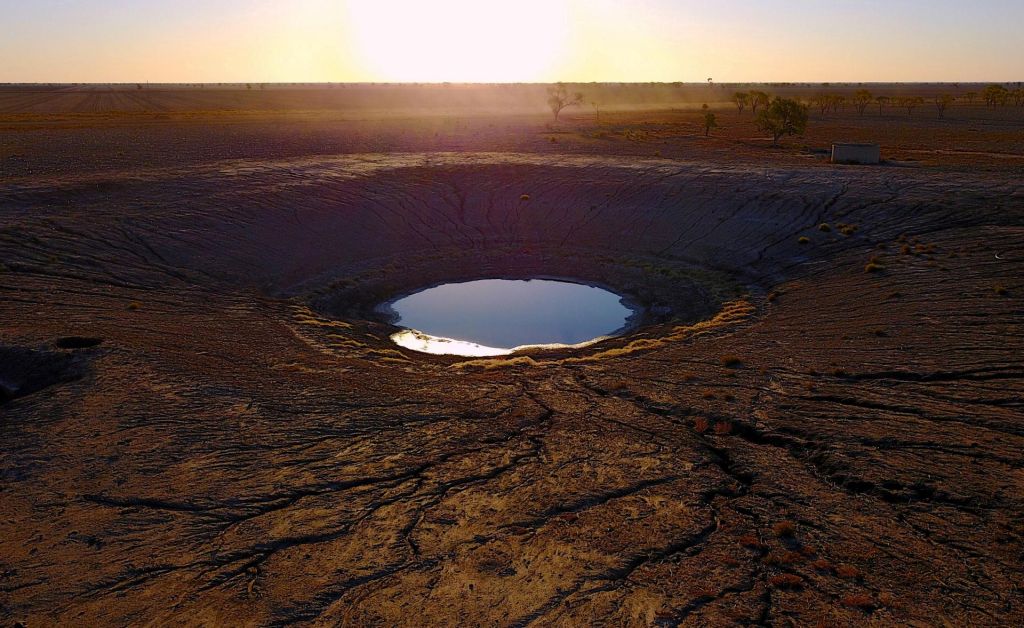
[459, 40]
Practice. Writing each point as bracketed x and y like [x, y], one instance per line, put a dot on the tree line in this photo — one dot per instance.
[994, 95]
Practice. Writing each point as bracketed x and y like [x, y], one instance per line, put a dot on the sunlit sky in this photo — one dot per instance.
[510, 40]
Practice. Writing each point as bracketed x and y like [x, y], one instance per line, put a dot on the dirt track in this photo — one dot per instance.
[802, 441]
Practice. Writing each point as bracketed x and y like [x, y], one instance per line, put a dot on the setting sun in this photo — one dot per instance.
[458, 40]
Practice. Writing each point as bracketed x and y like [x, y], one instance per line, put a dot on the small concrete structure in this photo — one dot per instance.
[856, 153]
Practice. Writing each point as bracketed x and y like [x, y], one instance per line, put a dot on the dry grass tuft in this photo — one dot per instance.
[784, 529]
[701, 425]
[859, 601]
[848, 572]
[731, 361]
[752, 542]
[134, 305]
[786, 581]
[524, 197]
[493, 363]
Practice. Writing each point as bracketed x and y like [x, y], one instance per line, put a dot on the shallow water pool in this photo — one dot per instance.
[497, 316]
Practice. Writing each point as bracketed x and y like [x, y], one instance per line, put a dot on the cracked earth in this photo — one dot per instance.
[203, 422]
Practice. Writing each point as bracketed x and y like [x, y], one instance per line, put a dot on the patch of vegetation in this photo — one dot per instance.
[784, 529]
[858, 601]
[822, 565]
[848, 572]
[750, 541]
[804, 240]
[782, 117]
[824, 227]
[786, 581]
[731, 361]
[723, 428]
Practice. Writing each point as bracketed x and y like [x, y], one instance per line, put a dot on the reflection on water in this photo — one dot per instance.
[493, 316]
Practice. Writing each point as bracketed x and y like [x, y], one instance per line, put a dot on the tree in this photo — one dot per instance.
[782, 117]
[861, 99]
[597, 110]
[910, 103]
[970, 96]
[943, 101]
[995, 95]
[758, 99]
[709, 121]
[1018, 97]
[823, 101]
[882, 101]
[558, 99]
[741, 99]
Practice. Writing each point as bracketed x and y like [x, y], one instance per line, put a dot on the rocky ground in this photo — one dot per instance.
[203, 422]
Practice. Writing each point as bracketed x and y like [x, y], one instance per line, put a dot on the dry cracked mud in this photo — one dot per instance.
[203, 423]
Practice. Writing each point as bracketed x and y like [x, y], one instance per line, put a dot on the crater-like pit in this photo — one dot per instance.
[499, 316]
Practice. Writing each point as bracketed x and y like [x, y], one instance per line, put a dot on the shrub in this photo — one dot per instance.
[723, 428]
[524, 197]
[804, 240]
[872, 267]
[134, 305]
[1000, 290]
[701, 425]
[824, 227]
